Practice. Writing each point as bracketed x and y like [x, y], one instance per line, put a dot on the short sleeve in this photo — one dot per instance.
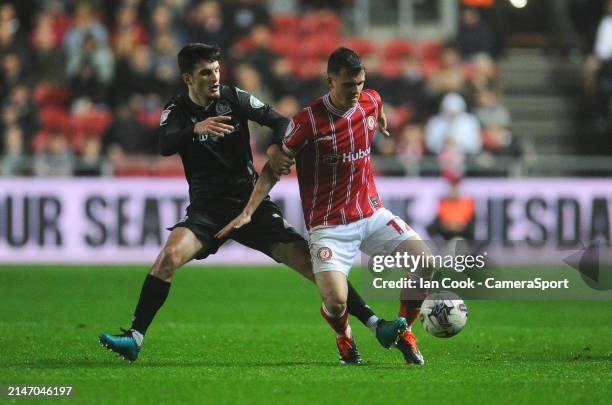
[299, 132]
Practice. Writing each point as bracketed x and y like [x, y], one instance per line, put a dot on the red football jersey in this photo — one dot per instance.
[333, 163]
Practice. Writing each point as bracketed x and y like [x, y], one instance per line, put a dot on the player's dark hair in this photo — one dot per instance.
[344, 58]
[194, 53]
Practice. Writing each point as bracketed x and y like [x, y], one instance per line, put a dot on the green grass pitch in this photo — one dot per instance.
[254, 335]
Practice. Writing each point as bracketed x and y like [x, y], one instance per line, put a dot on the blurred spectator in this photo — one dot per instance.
[448, 78]
[243, 16]
[482, 75]
[55, 158]
[135, 75]
[260, 55]
[90, 161]
[474, 36]
[283, 81]
[247, 78]
[409, 87]
[91, 70]
[456, 214]
[86, 23]
[562, 30]
[26, 114]
[205, 24]
[451, 159]
[166, 68]
[598, 69]
[126, 136]
[377, 81]
[14, 157]
[126, 19]
[163, 22]
[11, 73]
[410, 148]
[288, 106]
[453, 122]
[46, 63]
[10, 41]
[490, 111]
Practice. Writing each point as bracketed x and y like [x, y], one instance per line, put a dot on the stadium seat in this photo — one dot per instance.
[93, 123]
[46, 94]
[284, 24]
[171, 166]
[54, 117]
[363, 46]
[430, 50]
[397, 48]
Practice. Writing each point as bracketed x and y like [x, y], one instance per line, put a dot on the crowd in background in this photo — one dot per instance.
[82, 84]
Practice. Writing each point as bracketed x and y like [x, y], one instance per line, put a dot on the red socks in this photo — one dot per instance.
[409, 310]
[339, 325]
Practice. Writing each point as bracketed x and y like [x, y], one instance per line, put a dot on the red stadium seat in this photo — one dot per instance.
[46, 94]
[54, 117]
[318, 46]
[391, 68]
[94, 122]
[287, 45]
[169, 167]
[283, 24]
[362, 46]
[396, 48]
[430, 50]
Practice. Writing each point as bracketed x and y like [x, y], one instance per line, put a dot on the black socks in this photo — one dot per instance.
[152, 296]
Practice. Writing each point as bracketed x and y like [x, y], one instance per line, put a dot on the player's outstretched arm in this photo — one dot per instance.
[264, 184]
[382, 122]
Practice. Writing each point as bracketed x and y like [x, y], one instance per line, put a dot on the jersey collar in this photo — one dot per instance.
[336, 111]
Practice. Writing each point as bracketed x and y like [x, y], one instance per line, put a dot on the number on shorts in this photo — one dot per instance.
[396, 226]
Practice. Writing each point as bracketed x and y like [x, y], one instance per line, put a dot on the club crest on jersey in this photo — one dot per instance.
[222, 107]
[164, 117]
[324, 254]
[371, 123]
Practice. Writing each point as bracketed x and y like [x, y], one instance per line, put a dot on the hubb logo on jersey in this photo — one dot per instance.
[354, 156]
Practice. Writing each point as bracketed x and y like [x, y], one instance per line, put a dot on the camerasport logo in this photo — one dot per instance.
[371, 123]
[324, 254]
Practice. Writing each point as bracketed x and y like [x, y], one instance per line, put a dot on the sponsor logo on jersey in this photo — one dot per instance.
[374, 201]
[354, 156]
[324, 254]
[222, 107]
[371, 123]
[164, 117]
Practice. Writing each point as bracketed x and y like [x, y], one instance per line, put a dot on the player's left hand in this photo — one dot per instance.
[242, 219]
[279, 161]
[382, 123]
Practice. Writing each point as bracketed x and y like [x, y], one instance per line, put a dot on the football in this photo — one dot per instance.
[443, 314]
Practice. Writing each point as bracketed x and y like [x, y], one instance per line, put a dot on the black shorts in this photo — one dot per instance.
[267, 227]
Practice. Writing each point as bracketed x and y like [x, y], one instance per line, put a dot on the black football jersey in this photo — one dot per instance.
[219, 170]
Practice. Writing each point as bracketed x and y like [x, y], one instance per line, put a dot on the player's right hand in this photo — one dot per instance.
[214, 126]
[242, 219]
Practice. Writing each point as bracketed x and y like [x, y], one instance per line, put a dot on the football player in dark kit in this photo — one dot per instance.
[208, 128]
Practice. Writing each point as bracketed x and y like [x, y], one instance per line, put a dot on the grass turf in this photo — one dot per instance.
[254, 335]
